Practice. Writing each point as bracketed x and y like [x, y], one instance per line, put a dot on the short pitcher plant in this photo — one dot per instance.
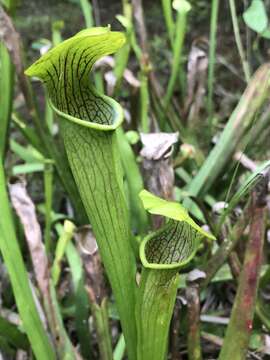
[88, 124]
[163, 253]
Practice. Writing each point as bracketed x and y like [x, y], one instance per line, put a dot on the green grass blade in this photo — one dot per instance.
[168, 16]
[87, 13]
[246, 187]
[29, 133]
[119, 349]
[62, 243]
[81, 300]
[13, 335]
[212, 55]
[238, 41]
[6, 95]
[48, 191]
[19, 279]
[180, 31]
[239, 123]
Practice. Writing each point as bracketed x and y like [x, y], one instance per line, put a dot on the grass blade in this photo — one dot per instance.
[13, 259]
[81, 300]
[6, 87]
[212, 54]
[240, 121]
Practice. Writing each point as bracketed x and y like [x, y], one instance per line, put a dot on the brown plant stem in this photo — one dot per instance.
[175, 332]
[194, 337]
[157, 166]
[240, 325]
[225, 249]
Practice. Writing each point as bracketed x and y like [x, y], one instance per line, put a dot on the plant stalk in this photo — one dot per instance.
[101, 319]
[194, 336]
[212, 55]
[6, 87]
[154, 311]
[240, 326]
[180, 31]
[238, 41]
[95, 163]
[48, 190]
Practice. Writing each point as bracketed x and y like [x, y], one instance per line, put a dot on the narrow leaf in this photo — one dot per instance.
[19, 279]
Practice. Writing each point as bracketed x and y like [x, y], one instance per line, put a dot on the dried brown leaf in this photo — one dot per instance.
[25, 210]
[196, 78]
[158, 145]
[157, 165]
[92, 264]
[10, 38]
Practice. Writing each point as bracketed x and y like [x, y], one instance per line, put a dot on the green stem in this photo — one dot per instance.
[87, 13]
[95, 163]
[100, 314]
[212, 55]
[144, 101]
[180, 30]
[122, 56]
[168, 16]
[154, 310]
[81, 300]
[6, 87]
[48, 189]
[62, 243]
[238, 41]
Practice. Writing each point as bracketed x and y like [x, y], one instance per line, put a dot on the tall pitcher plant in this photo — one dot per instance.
[88, 123]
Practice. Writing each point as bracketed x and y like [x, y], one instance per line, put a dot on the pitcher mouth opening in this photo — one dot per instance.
[65, 71]
[114, 122]
[160, 251]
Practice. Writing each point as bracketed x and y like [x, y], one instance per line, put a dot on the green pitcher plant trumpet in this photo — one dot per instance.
[88, 122]
[163, 253]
